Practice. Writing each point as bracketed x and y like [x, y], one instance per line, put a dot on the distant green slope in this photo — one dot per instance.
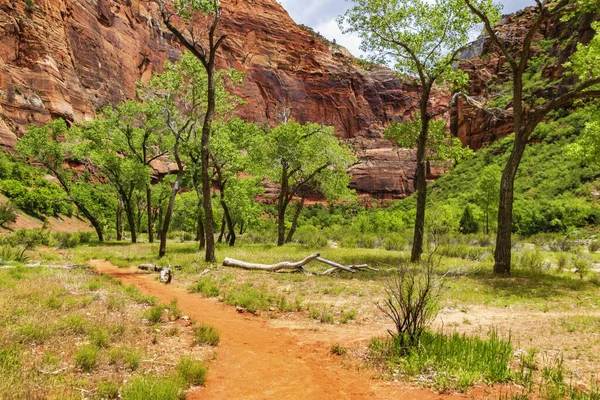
[553, 190]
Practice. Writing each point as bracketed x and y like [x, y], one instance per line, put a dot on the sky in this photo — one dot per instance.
[321, 14]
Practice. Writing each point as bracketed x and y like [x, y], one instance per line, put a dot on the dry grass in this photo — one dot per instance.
[65, 334]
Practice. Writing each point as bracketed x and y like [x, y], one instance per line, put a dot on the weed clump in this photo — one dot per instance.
[153, 387]
[192, 371]
[206, 334]
[86, 357]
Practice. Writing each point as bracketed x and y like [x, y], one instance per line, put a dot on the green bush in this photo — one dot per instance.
[250, 298]
[207, 286]
[468, 223]
[153, 387]
[581, 266]
[108, 390]
[154, 315]
[206, 334]
[132, 360]
[532, 260]
[99, 337]
[338, 349]
[192, 371]
[66, 240]
[311, 236]
[394, 241]
[8, 213]
[86, 357]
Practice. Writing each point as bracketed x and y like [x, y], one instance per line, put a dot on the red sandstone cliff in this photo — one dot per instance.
[67, 58]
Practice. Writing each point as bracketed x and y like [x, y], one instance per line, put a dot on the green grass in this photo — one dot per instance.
[153, 387]
[206, 334]
[449, 361]
[192, 371]
[86, 357]
[206, 286]
[154, 315]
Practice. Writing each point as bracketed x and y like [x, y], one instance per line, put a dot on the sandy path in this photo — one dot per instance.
[256, 361]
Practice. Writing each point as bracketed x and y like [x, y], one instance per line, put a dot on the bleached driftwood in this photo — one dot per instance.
[293, 266]
[296, 266]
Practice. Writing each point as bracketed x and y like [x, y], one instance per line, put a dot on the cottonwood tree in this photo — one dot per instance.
[423, 39]
[144, 139]
[231, 144]
[194, 23]
[180, 94]
[301, 158]
[95, 145]
[46, 145]
[533, 95]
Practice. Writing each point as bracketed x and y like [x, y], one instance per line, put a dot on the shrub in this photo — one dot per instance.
[8, 213]
[533, 261]
[206, 334]
[412, 303]
[348, 316]
[250, 298]
[153, 387]
[132, 360]
[562, 259]
[207, 286]
[594, 246]
[86, 357]
[108, 390]
[581, 266]
[338, 349]
[66, 240]
[99, 337]
[311, 237]
[394, 241]
[154, 315]
[468, 223]
[192, 371]
[86, 237]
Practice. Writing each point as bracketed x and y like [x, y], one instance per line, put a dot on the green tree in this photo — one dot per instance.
[46, 145]
[488, 192]
[529, 89]
[193, 36]
[143, 138]
[300, 158]
[423, 38]
[468, 223]
[95, 145]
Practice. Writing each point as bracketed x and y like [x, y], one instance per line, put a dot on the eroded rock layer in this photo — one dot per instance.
[68, 58]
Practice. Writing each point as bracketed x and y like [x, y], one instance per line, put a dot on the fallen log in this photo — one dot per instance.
[295, 266]
[299, 265]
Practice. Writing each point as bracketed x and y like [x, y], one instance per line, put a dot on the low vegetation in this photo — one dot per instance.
[64, 332]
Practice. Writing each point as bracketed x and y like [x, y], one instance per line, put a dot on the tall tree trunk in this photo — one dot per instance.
[227, 216]
[200, 231]
[119, 223]
[502, 254]
[299, 207]
[162, 250]
[222, 233]
[419, 234]
[281, 206]
[130, 219]
[149, 213]
[206, 183]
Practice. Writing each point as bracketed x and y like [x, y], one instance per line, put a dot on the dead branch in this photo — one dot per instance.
[295, 266]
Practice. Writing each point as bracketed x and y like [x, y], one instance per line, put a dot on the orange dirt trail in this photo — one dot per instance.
[255, 361]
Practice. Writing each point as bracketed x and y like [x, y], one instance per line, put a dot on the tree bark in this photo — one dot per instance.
[206, 183]
[281, 206]
[200, 231]
[130, 219]
[119, 223]
[222, 233]
[419, 234]
[299, 208]
[149, 213]
[162, 250]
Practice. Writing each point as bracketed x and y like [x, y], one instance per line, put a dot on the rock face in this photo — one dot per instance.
[487, 71]
[68, 58]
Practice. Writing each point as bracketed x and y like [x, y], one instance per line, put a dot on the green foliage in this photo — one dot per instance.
[206, 286]
[338, 349]
[192, 371]
[450, 361]
[132, 360]
[532, 260]
[468, 223]
[206, 334]
[66, 240]
[153, 387]
[108, 390]
[154, 315]
[312, 237]
[8, 213]
[29, 7]
[86, 357]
